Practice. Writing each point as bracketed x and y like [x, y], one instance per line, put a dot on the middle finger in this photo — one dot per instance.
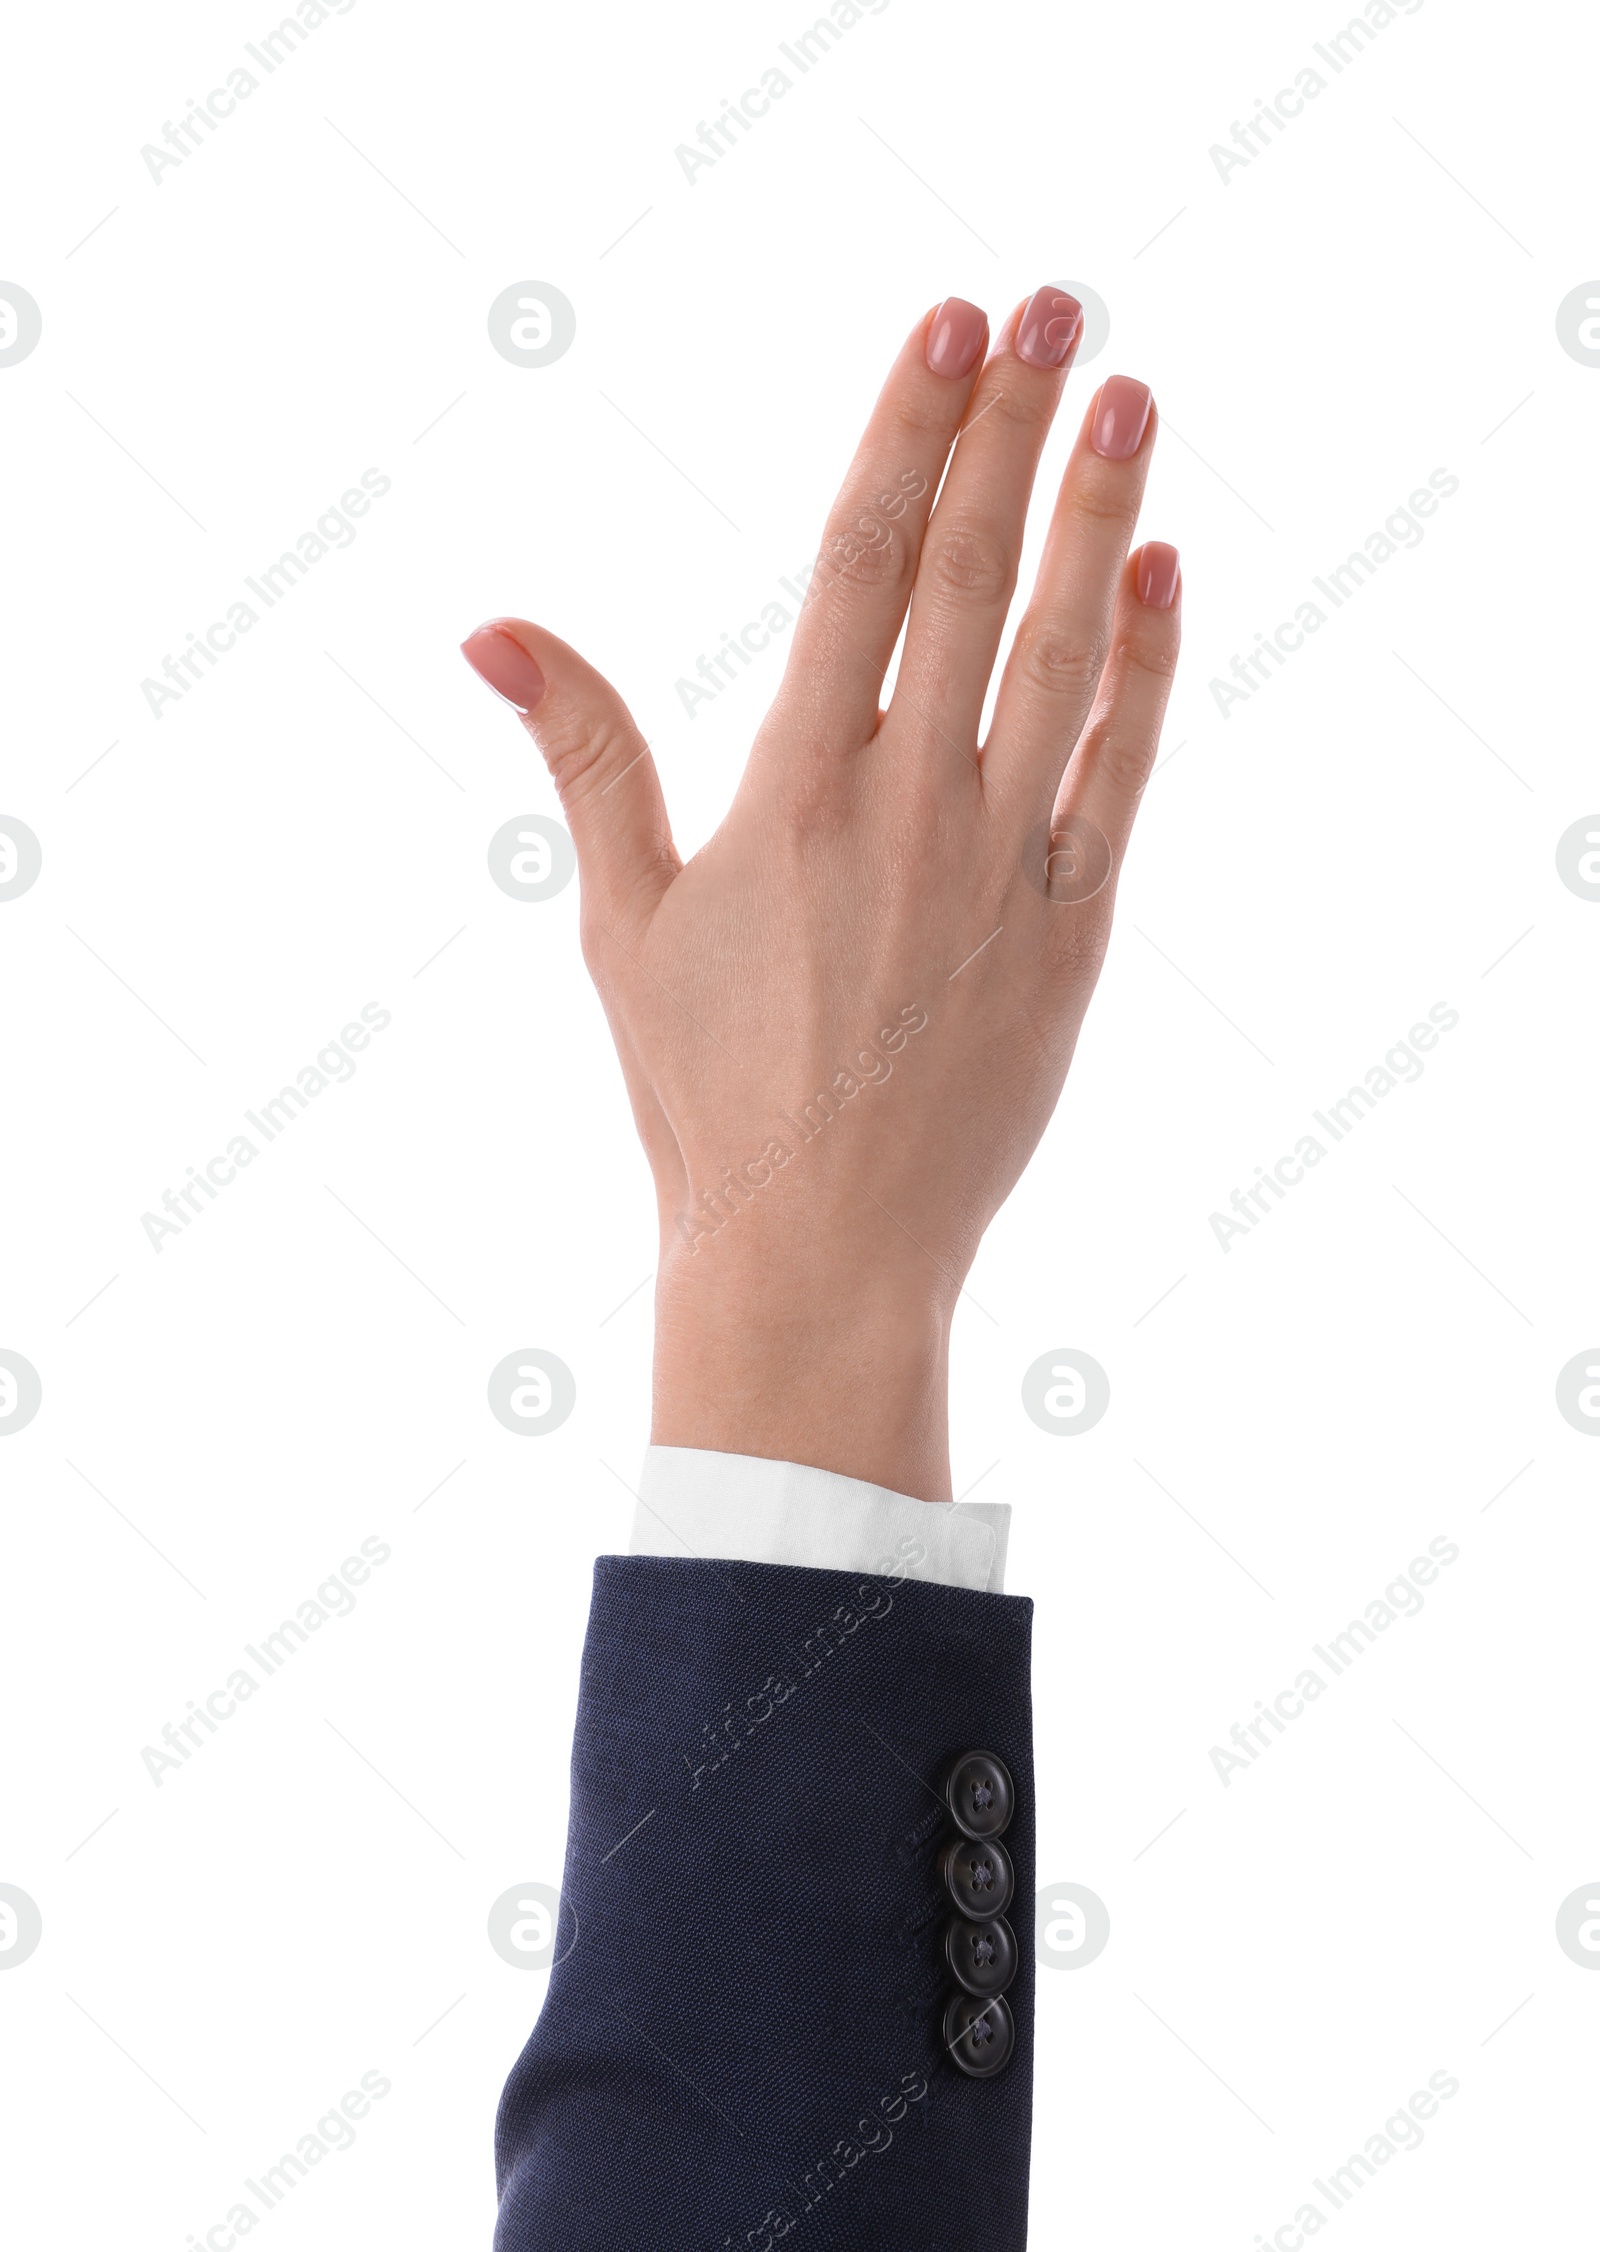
[967, 570]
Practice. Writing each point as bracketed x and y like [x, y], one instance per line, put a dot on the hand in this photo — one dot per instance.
[845, 1023]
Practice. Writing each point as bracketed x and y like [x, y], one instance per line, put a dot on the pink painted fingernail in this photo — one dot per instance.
[1158, 575]
[1120, 417]
[1050, 326]
[498, 657]
[955, 337]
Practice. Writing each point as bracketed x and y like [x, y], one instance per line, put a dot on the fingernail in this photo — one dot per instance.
[1158, 575]
[955, 337]
[1048, 328]
[499, 658]
[1120, 418]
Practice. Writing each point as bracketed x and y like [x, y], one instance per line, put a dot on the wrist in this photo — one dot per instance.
[847, 1372]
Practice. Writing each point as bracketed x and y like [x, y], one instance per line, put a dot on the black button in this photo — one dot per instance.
[978, 1792]
[979, 2036]
[982, 1957]
[977, 1877]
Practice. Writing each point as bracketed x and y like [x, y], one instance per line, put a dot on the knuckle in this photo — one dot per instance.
[1057, 663]
[1104, 500]
[1078, 937]
[1152, 654]
[960, 560]
[861, 549]
[814, 814]
[1019, 407]
[582, 753]
[1124, 762]
[915, 417]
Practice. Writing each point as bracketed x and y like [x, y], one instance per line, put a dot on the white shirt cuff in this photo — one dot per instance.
[746, 1509]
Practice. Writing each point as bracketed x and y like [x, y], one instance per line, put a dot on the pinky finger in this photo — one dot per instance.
[1107, 772]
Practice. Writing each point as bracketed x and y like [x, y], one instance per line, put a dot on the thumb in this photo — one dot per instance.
[600, 763]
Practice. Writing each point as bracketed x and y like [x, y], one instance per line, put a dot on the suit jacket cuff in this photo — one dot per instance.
[743, 2044]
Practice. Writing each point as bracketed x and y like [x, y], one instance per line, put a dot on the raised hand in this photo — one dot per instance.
[844, 1024]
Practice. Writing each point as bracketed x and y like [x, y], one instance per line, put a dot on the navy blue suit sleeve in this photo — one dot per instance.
[742, 2042]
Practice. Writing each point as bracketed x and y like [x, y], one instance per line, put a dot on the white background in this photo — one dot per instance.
[1371, 299]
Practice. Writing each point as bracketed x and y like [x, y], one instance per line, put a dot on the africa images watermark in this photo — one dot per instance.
[1402, 1065]
[333, 529]
[1400, 529]
[268, 53]
[1402, 2130]
[725, 1737]
[873, 2133]
[1401, 1599]
[1340, 49]
[721, 136]
[333, 1063]
[870, 536]
[724, 665]
[334, 1599]
[335, 2130]
[869, 1067]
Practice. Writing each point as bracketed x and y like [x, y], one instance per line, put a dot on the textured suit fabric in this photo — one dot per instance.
[741, 2042]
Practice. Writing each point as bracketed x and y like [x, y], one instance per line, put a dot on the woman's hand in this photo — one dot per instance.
[845, 1023]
